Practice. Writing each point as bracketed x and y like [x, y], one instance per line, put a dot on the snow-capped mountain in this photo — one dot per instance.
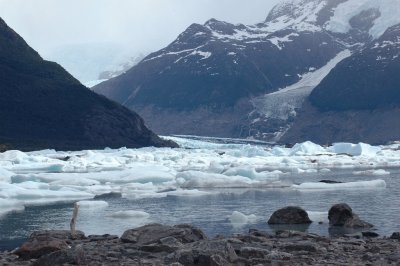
[358, 100]
[220, 79]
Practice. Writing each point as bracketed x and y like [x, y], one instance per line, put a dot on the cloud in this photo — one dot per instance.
[138, 24]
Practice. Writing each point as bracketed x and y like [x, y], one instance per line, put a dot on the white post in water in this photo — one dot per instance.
[73, 220]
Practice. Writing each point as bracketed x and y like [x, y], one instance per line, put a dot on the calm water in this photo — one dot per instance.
[211, 212]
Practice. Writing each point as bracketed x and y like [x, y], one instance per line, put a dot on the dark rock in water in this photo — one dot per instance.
[106, 196]
[290, 215]
[339, 214]
[152, 233]
[342, 215]
[166, 190]
[369, 234]
[330, 182]
[395, 235]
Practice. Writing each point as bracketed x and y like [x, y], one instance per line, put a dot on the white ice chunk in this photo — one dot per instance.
[7, 205]
[92, 204]
[239, 219]
[307, 148]
[354, 149]
[372, 172]
[130, 214]
[373, 184]
[317, 216]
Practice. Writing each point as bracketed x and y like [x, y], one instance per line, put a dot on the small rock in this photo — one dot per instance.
[36, 247]
[102, 237]
[369, 234]
[342, 215]
[301, 246]
[252, 252]
[152, 233]
[395, 235]
[330, 182]
[290, 215]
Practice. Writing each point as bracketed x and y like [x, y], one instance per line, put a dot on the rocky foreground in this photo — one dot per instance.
[157, 244]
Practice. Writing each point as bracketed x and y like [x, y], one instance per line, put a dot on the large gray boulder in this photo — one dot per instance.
[45, 242]
[153, 233]
[342, 215]
[290, 215]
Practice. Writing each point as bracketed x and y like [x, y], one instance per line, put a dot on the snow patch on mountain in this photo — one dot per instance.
[389, 9]
[300, 15]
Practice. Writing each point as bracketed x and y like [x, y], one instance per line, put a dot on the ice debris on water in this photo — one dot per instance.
[49, 176]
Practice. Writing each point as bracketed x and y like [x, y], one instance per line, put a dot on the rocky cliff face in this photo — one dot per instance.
[220, 79]
[42, 106]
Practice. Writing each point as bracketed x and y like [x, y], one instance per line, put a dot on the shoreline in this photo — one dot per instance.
[157, 244]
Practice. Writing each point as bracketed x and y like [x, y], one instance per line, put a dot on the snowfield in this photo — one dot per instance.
[198, 168]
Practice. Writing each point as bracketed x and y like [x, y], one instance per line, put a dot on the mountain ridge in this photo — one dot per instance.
[43, 106]
[216, 71]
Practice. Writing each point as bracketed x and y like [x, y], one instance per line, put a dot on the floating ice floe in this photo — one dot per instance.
[239, 219]
[373, 184]
[130, 214]
[372, 172]
[318, 216]
[89, 204]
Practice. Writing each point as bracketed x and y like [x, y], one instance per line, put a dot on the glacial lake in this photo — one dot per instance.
[211, 212]
[222, 186]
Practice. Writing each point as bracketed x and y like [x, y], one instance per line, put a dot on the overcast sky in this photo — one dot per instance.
[138, 24]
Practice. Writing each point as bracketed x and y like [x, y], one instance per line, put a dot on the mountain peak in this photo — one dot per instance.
[373, 17]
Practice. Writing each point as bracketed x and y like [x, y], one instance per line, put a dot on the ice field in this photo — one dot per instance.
[200, 171]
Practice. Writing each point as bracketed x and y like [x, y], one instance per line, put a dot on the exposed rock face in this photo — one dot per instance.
[290, 215]
[342, 215]
[42, 106]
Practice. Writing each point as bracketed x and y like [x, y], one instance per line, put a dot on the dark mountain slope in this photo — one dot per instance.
[42, 106]
[359, 100]
[367, 80]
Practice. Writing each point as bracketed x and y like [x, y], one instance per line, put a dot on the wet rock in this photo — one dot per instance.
[301, 246]
[206, 252]
[102, 237]
[252, 252]
[39, 246]
[58, 234]
[71, 256]
[369, 234]
[330, 182]
[108, 196]
[152, 233]
[395, 235]
[342, 215]
[290, 215]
